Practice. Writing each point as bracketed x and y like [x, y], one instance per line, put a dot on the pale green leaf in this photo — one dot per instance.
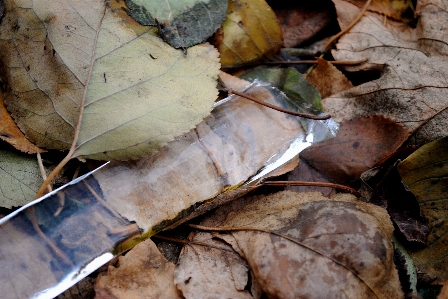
[19, 179]
[141, 93]
[182, 23]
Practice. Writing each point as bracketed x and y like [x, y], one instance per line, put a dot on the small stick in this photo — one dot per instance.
[315, 62]
[190, 242]
[305, 115]
[315, 184]
[42, 171]
[334, 38]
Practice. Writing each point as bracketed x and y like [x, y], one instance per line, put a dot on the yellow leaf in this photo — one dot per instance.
[250, 32]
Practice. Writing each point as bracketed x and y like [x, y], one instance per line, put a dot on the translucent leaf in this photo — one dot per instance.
[181, 23]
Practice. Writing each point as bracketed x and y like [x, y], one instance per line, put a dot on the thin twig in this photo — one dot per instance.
[305, 115]
[334, 38]
[191, 242]
[315, 184]
[43, 173]
[221, 229]
[315, 62]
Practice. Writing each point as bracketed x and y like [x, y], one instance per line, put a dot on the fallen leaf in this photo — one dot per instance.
[224, 151]
[301, 21]
[142, 273]
[10, 133]
[181, 23]
[343, 246]
[140, 95]
[412, 64]
[328, 79]
[444, 292]
[20, 179]
[250, 32]
[357, 147]
[425, 173]
[400, 10]
[211, 272]
[304, 96]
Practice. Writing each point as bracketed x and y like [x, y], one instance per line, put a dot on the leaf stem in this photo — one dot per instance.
[315, 184]
[305, 115]
[81, 110]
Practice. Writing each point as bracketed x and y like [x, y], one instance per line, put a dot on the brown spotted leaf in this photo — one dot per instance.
[357, 147]
[322, 248]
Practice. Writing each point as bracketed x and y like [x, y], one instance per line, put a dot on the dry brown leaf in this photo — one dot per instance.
[211, 272]
[344, 246]
[444, 292]
[301, 21]
[143, 273]
[359, 144]
[328, 79]
[413, 66]
[10, 133]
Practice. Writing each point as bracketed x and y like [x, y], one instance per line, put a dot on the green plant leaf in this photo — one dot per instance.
[132, 92]
[182, 23]
[19, 179]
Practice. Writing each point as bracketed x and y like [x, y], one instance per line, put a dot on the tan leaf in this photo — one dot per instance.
[142, 273]
[250, 32]
[344, 246]
[328, 79]
[134, 93]
[10, 133]
[211, 272]
[412, 63]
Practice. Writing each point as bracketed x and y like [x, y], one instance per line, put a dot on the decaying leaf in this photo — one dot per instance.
[20, 179]
[343, 246]
[139, 92]
[10, 133]
[413, 66]
[250, 32]
[292, 83]
[401, 10]
[328, 79]
[425, 172]
[301, 21]
[143, 273]
[211, 272]
[359, 144]
[182, 23]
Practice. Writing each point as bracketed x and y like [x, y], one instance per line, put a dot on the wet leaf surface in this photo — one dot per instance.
[181, 23]
[425, 173]
[250, 32]
[357, 147]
